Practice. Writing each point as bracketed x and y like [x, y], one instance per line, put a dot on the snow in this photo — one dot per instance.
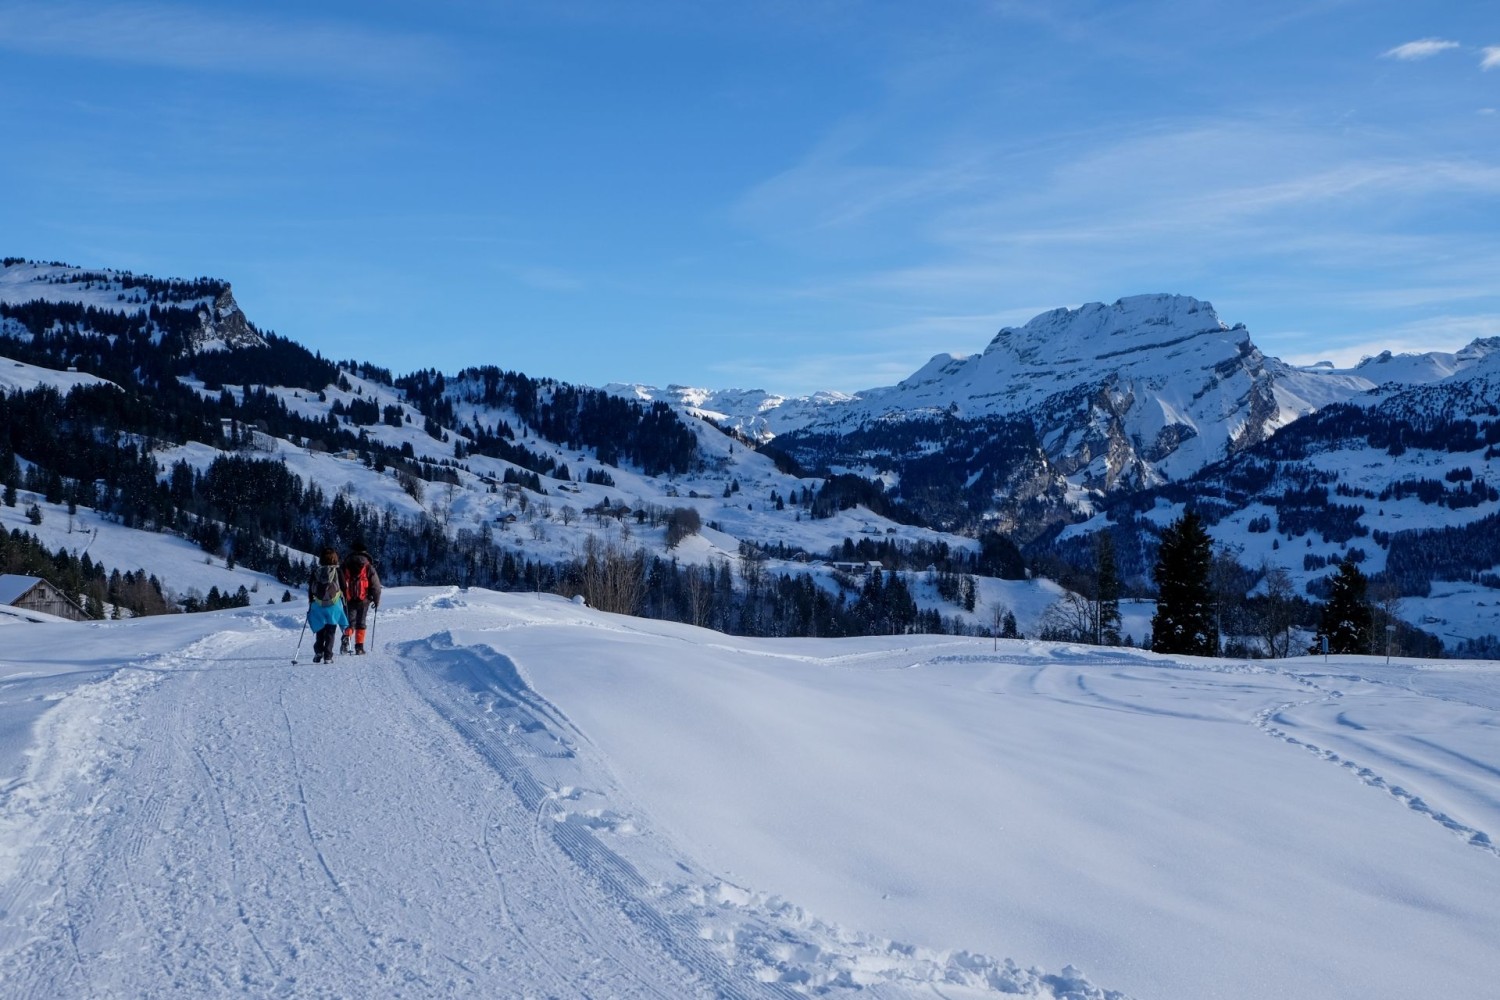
[519, 796]
[18, 376]
[31, 281]
[183, 568]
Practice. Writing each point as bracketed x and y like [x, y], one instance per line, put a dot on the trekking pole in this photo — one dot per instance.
[374, 614]
[299, 642]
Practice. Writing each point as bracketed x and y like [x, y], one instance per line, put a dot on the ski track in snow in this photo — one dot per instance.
[1276, 721]
[215, 822]
[1072, 686]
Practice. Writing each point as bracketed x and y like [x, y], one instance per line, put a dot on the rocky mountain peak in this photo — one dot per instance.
[1096, 331]
[222, 324]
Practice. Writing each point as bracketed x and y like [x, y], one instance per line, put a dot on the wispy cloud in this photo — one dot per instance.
[1491, 57]
[1215, 208]
[209, 41]
[1417, 337]
[1422, 48]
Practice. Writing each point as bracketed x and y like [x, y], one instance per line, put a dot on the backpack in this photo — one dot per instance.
[357, 581]
[326, 589]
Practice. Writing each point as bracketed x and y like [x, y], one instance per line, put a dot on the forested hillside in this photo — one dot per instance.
[158, 405]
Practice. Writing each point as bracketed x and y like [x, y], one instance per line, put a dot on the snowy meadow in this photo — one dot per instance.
[516, 796]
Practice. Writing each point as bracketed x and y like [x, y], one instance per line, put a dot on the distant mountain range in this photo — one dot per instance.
[1101, 418]
[1126, 396]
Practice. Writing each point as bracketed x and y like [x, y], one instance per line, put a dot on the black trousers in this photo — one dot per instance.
[358, 612]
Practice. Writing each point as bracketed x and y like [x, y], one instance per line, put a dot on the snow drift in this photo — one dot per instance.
[517, 796]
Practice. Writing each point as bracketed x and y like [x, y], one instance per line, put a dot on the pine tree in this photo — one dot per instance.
[1106, 592]
[1345, 619]
[1008, 629]
[1185, 613]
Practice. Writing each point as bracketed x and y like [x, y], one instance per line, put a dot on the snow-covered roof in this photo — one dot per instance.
[14, 587]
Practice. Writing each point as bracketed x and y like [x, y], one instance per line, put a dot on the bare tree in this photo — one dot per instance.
[699, 581]
[1385, 602]
[1069, 619]
[682, 522]
[1277, 608]
[613, 579]
[410, 483]
[1230, 583]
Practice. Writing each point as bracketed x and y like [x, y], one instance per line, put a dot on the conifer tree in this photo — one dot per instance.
[1106, 592]
[1185, 615]
[1345, 619]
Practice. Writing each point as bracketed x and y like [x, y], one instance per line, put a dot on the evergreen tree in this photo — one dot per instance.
[1345, 619]
[1106, 592]
[1185, 613]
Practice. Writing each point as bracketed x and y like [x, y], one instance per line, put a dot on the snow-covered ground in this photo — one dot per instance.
[516, 796]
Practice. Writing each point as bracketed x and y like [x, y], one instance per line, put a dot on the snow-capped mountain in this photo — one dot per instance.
[1386, 368]
[500, 479]
[1123, 396]
[1078, 406]
[757, 414]
[1403, 481]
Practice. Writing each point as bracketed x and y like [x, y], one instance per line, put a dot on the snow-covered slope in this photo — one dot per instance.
[17, 376]
[755, 413]
[517, 796]
[1432, 366]
[220, 322]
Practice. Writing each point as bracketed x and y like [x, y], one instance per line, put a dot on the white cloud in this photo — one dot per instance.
[1491, 58]
[191, 38]
[1445, 334]
[1423, 48]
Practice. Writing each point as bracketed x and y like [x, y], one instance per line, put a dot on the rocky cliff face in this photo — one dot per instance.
[1127, 395]
[221, 324]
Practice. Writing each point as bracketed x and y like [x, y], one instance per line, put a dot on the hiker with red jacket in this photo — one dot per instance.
[361, 592]
[325, 604]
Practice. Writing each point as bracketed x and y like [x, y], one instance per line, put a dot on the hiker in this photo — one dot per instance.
[361, 593]
[325, 604]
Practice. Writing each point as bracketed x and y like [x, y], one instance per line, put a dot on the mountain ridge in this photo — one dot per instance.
[1098, 418]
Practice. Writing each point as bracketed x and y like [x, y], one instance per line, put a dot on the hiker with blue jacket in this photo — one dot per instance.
[325, 604]
[361, 593]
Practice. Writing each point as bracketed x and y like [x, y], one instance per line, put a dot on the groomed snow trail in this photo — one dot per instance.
[215, 821]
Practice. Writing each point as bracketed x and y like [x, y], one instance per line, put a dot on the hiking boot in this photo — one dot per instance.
[344, 644]
[359, 649]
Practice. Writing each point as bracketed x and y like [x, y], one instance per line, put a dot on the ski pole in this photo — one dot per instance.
[374, 614]
[299, 641]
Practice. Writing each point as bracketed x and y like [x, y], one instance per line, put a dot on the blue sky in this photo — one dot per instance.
[789, 194]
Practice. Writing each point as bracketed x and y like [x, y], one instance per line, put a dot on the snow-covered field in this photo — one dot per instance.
[516, 796]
